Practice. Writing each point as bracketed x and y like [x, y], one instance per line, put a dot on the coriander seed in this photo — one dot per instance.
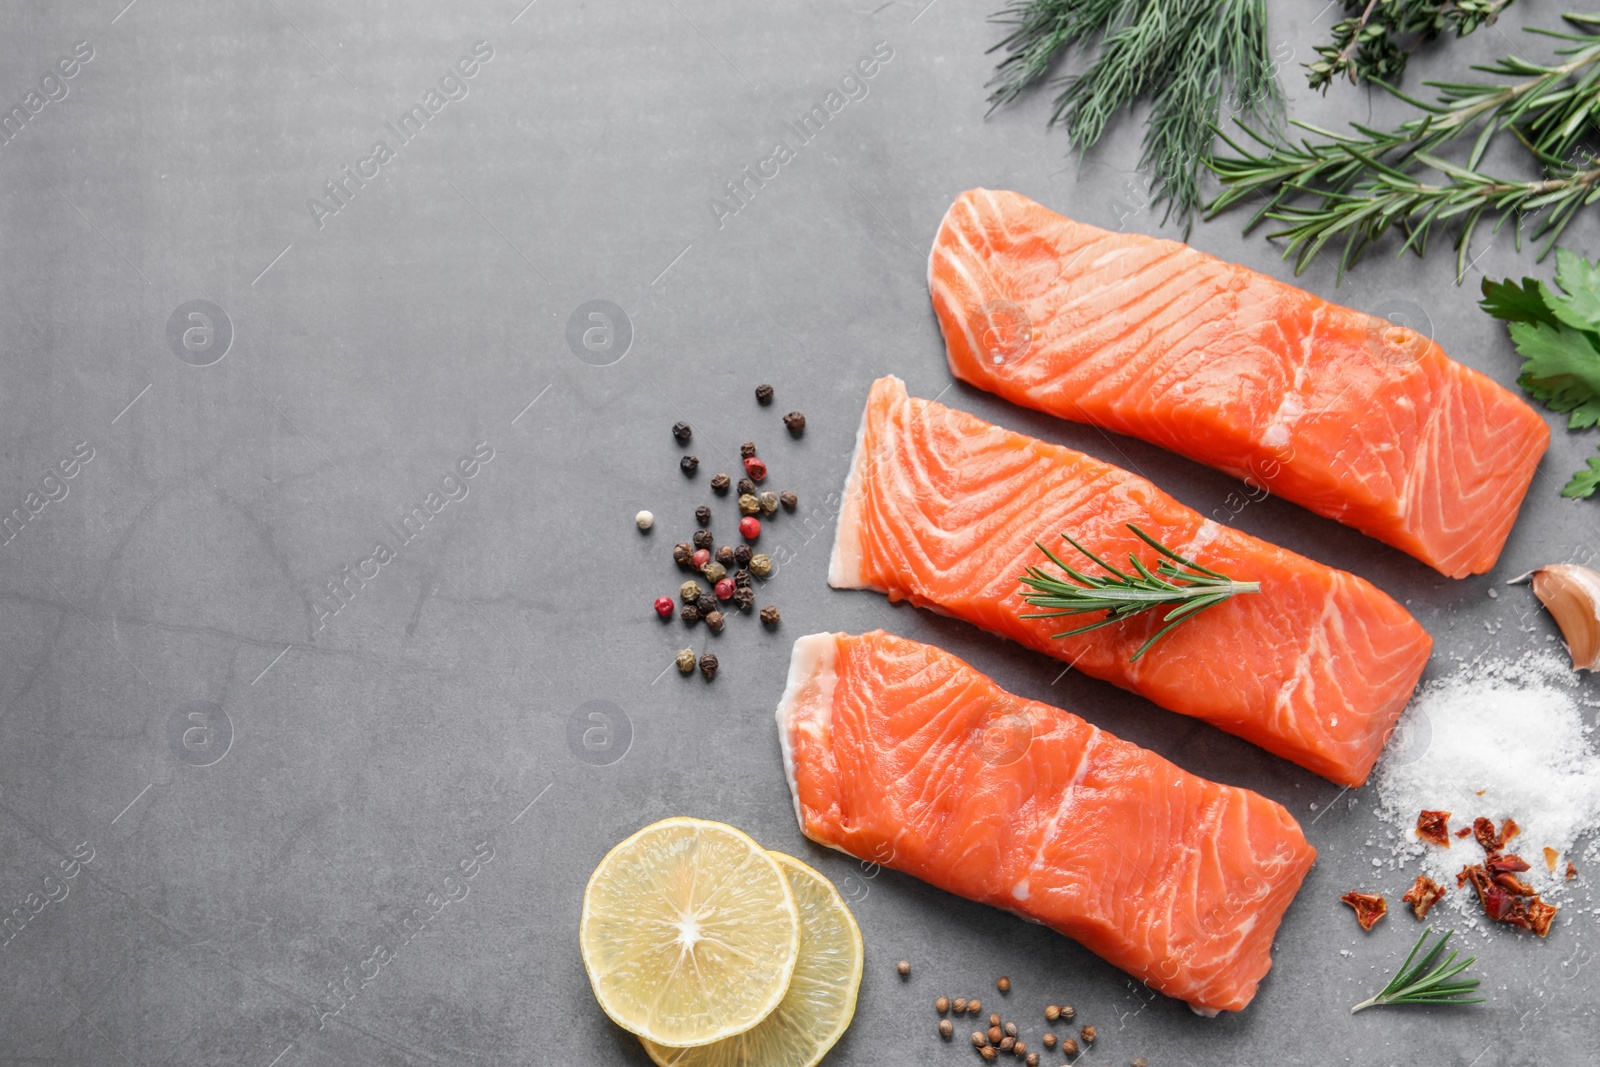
[747, 450]
[904, 967]
[1067, 1011]
[978, 1040]
[1088, 1035]
[788, 500]
[1004, 984]
[974, 1006]
[706, 603]
[1019, 1049]
[719, 483]
[795, 423]
[689, 591]
[1069, 1047]
[763, 394]
[760, 565]
[748, 504]
[994, 1020]
[681, 553]
[769, 503]
[959, 1005]
[714, 571]
[742, 554]
[1053, 1012]
[689, 613]
[681, 431]
[702, 515]
[708, 666]
[1049, 1040]
[941, 1005]
[1140, 1062]
[1007, 1044]
[988, 1052]
[746, 486]
[1033, 1059]
[689, 464]
[995, 1035]
[1011, 1029]
[714, 620]
[769, 615]
[685, 661]
[946, 1028]
[644, 520]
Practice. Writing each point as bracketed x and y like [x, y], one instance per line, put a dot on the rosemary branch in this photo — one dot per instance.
[1122, 595]
[1429, 982]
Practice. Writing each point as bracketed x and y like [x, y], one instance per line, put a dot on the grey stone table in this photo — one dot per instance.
[285, 282]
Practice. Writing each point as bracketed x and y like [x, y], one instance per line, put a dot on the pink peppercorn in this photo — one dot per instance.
[750, 527]
[701, 557]
[725, 589]
[756, 469]
[664, 606]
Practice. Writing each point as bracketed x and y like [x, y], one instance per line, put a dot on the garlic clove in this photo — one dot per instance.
[1572, 596]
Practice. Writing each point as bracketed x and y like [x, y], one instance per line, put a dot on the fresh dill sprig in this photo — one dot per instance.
[1356, 187]
[1430, 981]
[1188, 59]
[1381, 35]
[1122, 595]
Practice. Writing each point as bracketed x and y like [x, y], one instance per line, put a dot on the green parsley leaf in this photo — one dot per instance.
[1580, 280]
[1584, 482]
[1513, 303]
[1562, 369]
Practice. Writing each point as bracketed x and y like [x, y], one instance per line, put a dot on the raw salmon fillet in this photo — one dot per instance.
[944, 509]
[1356, 418]
[899, 753]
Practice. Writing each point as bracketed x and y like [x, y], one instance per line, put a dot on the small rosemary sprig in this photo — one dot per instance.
[1122, 595]
[1430, 981]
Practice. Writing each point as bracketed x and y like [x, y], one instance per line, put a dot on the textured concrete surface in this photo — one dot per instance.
[254, 793]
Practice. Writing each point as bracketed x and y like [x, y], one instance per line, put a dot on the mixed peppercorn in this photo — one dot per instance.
[729, 572]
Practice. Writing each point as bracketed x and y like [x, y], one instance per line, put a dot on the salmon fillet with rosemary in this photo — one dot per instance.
[898, 753]
[1361, 420]
[944, 510]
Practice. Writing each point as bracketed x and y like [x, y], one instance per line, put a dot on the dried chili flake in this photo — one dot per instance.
[1506, 898]
[1512, 884]
[1369, 907]
[1423, 895]
[1508, 830]
[1506, 863]
[1464, 831]
[1572, 872]
[1434, 827]
[1540, 916]
[1484, 831]
[1550, 855]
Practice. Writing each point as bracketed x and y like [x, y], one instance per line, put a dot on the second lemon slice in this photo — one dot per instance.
[689, 932]
[822, 995]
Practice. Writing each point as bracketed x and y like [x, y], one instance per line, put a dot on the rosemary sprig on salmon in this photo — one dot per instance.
[1177, 582]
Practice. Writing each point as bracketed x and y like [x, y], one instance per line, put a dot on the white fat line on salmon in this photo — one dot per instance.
[742, 188]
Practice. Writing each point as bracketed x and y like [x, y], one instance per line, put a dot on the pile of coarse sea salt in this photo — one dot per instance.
[1499, 740]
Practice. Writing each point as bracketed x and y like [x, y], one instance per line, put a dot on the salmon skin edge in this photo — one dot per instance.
[1211, 972]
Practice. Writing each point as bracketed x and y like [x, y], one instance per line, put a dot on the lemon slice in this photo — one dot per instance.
[689, 932]
[821, 998]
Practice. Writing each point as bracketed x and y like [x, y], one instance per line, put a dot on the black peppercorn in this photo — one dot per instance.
[689, 614]
[708, 666]
[681, 431]
[720, 483]
[703, 539]
[769, 615]
[689, 464]
[741, 579]
[725, 556]
[747, 450]
[746, 487]
[714, 620]
[763, 394]
[796, 423]
[706, 603]
[702, 515]
[741, 555]
[744, 598]
[683, 554]
[788, 500]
